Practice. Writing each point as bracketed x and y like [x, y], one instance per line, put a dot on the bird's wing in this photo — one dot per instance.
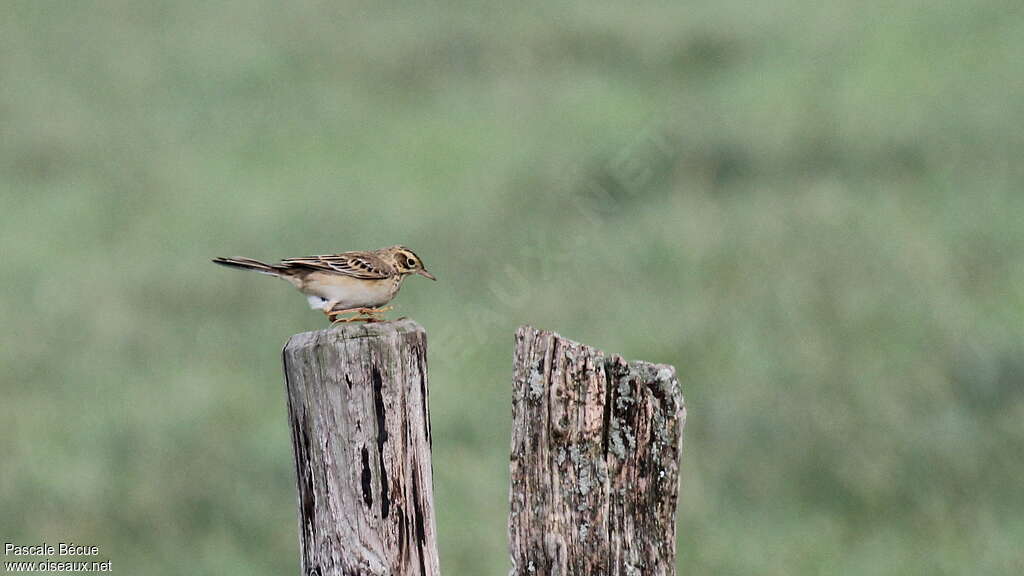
[354, 264]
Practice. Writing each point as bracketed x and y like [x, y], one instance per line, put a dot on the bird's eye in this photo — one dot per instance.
[410, 263]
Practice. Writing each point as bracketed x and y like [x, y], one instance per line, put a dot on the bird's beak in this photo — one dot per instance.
[423, 272]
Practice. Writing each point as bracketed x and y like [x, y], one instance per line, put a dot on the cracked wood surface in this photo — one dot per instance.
[357, 406]
[596, 443]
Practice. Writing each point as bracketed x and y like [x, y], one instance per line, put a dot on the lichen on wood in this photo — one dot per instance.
[357, 405]
[596, 443]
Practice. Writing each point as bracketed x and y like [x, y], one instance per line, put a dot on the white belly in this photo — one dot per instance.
[347, 292]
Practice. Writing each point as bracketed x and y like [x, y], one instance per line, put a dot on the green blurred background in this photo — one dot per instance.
[812, 209]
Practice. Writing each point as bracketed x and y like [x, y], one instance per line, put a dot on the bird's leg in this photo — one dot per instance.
[335, 315]
[328, 309]
[361, 314]
[374, 314]
[350, 319]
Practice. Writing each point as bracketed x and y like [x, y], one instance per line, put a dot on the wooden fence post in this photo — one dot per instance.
[595, 456]
[357, 405]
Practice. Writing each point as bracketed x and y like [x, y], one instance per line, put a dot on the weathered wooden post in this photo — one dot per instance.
[596, 443]
[357, 404]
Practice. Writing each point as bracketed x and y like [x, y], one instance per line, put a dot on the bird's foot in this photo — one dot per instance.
[367, 315]
[373, 314]
[339, 316]
[352, 319]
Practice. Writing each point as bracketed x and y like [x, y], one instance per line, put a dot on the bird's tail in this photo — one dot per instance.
[248, 264]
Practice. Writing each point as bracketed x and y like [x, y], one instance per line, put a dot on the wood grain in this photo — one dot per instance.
[357, 405]
[596, 443]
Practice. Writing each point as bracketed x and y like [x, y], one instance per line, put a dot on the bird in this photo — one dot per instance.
[359, 282]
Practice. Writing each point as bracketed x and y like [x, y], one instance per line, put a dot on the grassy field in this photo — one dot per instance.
[813, 209]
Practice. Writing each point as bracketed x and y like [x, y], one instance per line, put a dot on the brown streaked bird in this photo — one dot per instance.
[337, 284]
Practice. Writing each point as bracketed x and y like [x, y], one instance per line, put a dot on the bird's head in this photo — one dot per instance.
[407, 262]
